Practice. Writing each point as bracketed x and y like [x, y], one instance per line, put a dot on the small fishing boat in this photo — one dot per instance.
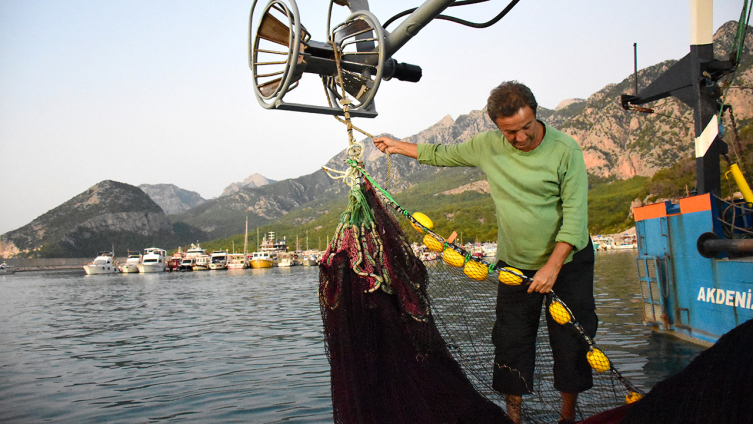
[287, 260]
[131, 264]
[104, 263]
[261, 260]
[603, 242]
[187, 264]
[627, 242]
[240, 260]
[5, 269]
[310, 260]
[173, 264]
[195, 259]
[202, 262]
[489, 249]
[218, 260]
[237, 261]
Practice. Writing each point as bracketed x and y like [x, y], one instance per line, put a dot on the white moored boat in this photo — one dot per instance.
[287, 260]
[104, 263]
[187, 264]
[237, 261]
[154, 260]
[5, 269]
[240, 260]
[131, 264]
[310, 258]
[219, 260]
[202, 262]
[195, 255]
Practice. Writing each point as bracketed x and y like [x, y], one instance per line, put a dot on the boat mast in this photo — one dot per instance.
[245, 241]
[694, 81]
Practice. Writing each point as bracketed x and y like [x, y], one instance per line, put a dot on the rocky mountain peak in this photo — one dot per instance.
[108, 213]
[254, 180]
[565, 103]
[171, 198]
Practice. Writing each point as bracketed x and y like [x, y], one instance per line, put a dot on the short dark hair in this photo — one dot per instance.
[509, 97]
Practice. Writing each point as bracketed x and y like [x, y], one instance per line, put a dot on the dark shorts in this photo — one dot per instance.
[514, 332]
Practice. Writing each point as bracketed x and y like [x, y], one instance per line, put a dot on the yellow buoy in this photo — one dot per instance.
[476, 270]
[453, 258]
[433, 244]
[509, 278]
[633, 397]
[423, 220]
[598, 360]
[559, 313]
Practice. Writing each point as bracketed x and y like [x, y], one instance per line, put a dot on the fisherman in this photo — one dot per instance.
[538, 182]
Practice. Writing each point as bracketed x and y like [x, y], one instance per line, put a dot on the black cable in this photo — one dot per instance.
[409, 11]
[487, 24]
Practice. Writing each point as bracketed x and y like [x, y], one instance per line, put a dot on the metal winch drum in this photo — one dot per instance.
[352, 62]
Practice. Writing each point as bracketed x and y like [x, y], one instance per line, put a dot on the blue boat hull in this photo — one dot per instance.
[685, 293]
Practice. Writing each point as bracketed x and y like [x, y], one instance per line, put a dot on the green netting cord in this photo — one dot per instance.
[739, 43]
[358, 211]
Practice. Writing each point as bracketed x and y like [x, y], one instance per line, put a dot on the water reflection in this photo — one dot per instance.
[239, 346]
[642, 356]
[210, 347]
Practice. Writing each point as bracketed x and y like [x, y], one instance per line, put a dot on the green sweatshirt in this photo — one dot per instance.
[541, 196]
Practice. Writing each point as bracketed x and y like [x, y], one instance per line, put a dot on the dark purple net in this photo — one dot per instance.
[389, 363]
[717, 387]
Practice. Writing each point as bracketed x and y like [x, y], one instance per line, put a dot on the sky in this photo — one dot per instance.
[159, 91]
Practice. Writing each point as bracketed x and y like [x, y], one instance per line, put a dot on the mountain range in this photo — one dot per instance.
[617, 144]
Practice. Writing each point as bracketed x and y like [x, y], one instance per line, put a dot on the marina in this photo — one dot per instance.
[223, 347]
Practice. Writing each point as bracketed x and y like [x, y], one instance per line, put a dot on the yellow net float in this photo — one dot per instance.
[453, 258]
[423, 220]
[509, 278]
[476, 270]
[598, 360]
[433, 244]
[559, 313]
[633, 397]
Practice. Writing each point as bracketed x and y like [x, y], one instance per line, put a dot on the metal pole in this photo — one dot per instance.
[635, 67]
[414, 23]
[709, 245]
[708, 148]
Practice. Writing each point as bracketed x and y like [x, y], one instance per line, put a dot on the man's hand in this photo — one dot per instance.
[544, 279]
[389, 145]
[384, 143]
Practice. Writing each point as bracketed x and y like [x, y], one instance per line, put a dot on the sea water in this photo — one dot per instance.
[223, 346]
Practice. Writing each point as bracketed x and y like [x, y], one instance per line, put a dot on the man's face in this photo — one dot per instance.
[520, 129]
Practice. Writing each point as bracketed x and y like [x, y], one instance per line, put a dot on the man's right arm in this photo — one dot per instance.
[389, 145]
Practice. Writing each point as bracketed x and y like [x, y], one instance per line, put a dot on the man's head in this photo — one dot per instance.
[512, 107]
[509, 97]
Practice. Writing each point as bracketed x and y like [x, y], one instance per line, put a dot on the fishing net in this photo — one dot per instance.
[716, 387]
[389, 363]
[409, 340]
